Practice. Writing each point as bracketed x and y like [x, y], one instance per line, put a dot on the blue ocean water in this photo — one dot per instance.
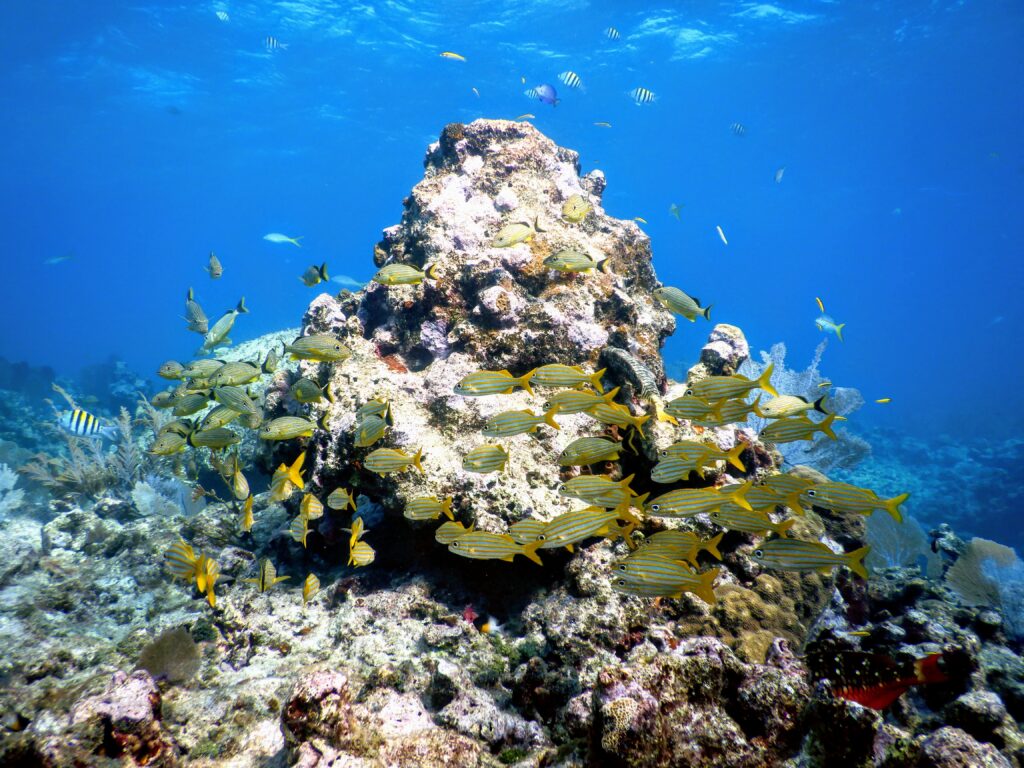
[139, 136]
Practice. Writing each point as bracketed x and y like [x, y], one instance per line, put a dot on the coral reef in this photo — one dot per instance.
[426, 659]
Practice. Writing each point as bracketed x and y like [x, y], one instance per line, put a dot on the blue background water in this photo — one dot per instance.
[138, 137]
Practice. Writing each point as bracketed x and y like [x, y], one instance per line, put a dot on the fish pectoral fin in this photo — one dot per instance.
[826, 570]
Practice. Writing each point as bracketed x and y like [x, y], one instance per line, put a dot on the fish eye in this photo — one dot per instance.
[758, 553]
[621, 582]
[689, 392]
[455, 544]
[622, 568]
[541, 537]
[811, 492]
[547, 405]
[655, 507]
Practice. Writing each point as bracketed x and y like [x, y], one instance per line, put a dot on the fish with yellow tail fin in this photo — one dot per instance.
[357, 530]
[321, 347]
[615, 414]
[645, 574]
[588, 450]
[287, 478]
[688, 502]
[821, 306]
[671, 469]
[341, 499]
[181, 560]
[452, 55]
[884, 400]
[362, 554]
[299, 529]
[570, 528]
[796, 555]
[482, 545]
[286, 428]
[307, 391]
[558, 375]
[736, 518]
[828, 325]
[315, 275]
[247, 517]
[267, 576]
[680, 303]
[485, 458]
[167, 444]
[386, 460]
[705, 452]
[482, 383]
[369, 430]
[717, 388]
[239, 485]
[526, 531]
[449, 531]
[843, 497]
[578, 400]
[682, 545]
[428, 508]
[172, 370]
[732, 412]
[509, 423]
[310, 507]
[310, 587]
[691, 408]
[375, 407]
[214, 439]
[403, 274]
[207, 573]
[796, 428]
[576, 208]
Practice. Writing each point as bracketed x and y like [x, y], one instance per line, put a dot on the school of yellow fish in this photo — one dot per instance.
[664, 564]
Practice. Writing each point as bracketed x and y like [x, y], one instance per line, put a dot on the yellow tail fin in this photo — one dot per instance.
[793, 503]
[416, 461]
[733, 456]
[826, 425]
[524, 380]
[764, 382]
[839, 330]
[739, 496]
[608, 396]
[705, 590]
[446, 508]
[295, 472]
[892, 506]
[595, 380]
[549, 417]
[711, 546]
[783, 528]
[530, 551]
[855, 561]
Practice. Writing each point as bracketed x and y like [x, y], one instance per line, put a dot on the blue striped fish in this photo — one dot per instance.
[428, 508]
[690, 407]
[558, 375]
[588, 450]
[717, 388]
[687, 502]
[573, 527]
[369, 430]
[843, 497]
[682, 545]
[796, 555]
[789, 487]
[385, 460]
[526, 531]
[732, 412]
[652, 575]
[485, 458]
[481, 545]
[615, 414]
[673, 468]
[450, 531]
[492, 383]
[735, 518]
[299, 529]
[509, 423]
[704, 452]
[84, 424]
[361, 554]
[795, 428]
[578, 400]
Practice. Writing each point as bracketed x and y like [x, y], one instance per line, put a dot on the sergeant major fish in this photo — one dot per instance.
[83, 424]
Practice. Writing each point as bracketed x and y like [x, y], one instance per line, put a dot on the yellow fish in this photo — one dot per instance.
[357, 530]
[341, 499]
[309, 588]
[576, 208]
[299, 529]
[247, 518]
[821, 307]
[453, 56]
[641, 219]
[884, 400]
[361, 554]
[311, 508]
[267, 576]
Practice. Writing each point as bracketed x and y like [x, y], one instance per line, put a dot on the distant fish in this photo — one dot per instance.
[530, 93]
[612, 33]
[523, 79]
[194, 315]
[527, 115]
[315, 275]
[828, 325]
[641, 95]
[347, 282]
[273, 44]
[84, 424]
[884, 400]
[738, 129]
[576, 208]
[602, 124]
[214, 267]
[247, 517]
[570, 79]
[821, 306]
[641, 219]
[451, 55]
[277, 237]
[674, 210]
[778, 174]
[222, 15]
[547, 94]
[58, 259]
[721, 234]
[309, 588]
[267, 576]
[476, 93]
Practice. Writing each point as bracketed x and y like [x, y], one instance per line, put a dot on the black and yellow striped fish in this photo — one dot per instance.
[84, 424]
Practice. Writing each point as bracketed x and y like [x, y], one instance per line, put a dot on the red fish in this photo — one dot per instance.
[874, 679]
